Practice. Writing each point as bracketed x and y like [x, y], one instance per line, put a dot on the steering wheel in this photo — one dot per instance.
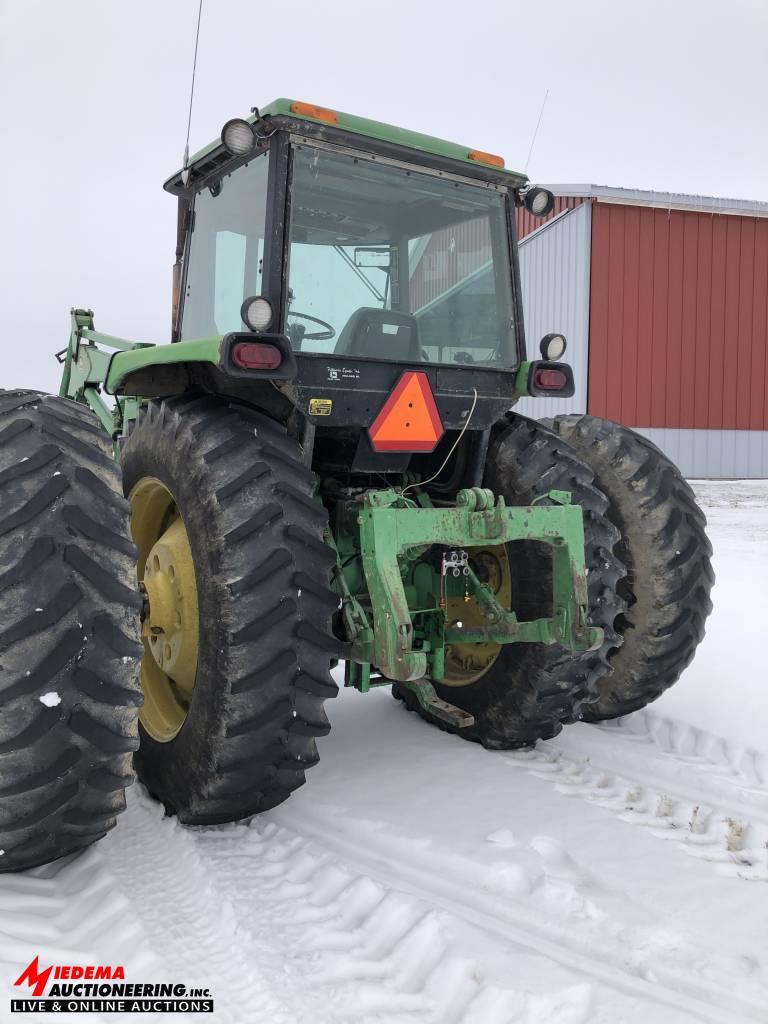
[325, 335]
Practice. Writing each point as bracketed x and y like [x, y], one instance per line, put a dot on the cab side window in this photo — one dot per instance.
[226, 251]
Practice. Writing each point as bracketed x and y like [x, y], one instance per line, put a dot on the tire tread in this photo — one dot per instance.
[56, 477]
[668, 554]
[273, 610]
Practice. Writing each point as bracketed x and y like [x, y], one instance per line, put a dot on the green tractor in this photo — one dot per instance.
[321, 467]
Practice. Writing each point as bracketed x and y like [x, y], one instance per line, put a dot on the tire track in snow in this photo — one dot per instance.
[722, 760]
[662, 775]
[70, 912]
[253, 911]
[605, 952]
[190, 925]
[331, 924]
[353, 949]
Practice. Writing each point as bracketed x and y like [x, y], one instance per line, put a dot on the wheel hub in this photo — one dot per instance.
[170, 624]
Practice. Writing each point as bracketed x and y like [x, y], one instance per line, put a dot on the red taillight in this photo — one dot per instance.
[252, 355]
[549, 380]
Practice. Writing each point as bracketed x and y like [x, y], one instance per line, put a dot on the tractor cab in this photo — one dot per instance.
[352, 252]
[380, 260]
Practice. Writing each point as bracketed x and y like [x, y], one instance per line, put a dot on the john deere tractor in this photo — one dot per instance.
[323, 468]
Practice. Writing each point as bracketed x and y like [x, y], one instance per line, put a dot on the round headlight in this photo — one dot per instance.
[539, 201]
[552, 347]
[256, 313]
[238, 136]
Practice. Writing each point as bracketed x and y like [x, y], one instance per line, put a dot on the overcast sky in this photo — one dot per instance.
[93, 106]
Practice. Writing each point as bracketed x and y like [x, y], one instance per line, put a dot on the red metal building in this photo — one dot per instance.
[667, 298]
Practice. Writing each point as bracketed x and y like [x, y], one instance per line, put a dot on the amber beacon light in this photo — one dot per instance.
[318, 113]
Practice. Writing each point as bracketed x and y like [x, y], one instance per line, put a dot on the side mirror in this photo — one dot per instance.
[368, 257]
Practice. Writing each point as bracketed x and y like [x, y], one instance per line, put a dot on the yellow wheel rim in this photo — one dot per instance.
[170, 626]
[466, 663]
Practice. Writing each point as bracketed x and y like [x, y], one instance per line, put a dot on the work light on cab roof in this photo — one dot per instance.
[539, 201]
[238, 136]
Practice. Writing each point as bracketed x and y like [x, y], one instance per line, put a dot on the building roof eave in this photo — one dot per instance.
[664, 200]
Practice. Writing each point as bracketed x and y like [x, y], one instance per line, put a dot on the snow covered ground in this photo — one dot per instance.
[725, 688]
[615, 875]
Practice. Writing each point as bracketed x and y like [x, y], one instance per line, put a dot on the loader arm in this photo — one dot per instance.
[91, 371]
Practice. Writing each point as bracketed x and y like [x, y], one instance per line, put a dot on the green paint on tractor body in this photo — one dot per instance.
[394, 599]
[417, 142]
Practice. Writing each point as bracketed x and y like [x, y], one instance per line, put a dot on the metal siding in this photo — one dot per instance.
[598, 323]
[554, 271]
[678, 319]
[631, 310]
[526, 223]
[643, 386]
[758, 392]
[727, 454]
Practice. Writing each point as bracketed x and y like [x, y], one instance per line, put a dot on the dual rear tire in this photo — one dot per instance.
[649, 581]
[667, 554]
[71, 715]
[531, 690]
[69, 618]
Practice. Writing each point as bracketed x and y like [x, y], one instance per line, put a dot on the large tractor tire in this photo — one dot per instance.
[237, 639]
[69, 628]
[667, 554]
[530, 690]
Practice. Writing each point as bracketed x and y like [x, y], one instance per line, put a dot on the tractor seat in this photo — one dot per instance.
[385, 333]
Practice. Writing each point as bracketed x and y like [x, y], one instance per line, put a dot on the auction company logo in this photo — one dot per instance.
[102, 989]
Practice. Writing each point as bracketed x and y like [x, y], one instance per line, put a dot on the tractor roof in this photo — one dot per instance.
[286, 110]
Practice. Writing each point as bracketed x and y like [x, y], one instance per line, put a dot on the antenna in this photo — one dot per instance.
[185, 169]
[535, 130]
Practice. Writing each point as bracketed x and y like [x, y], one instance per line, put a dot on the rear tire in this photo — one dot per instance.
[69, 623]
[667, 553]
[532, 689]
[265, 643]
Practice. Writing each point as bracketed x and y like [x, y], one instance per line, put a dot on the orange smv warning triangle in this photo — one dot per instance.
[408, 421]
